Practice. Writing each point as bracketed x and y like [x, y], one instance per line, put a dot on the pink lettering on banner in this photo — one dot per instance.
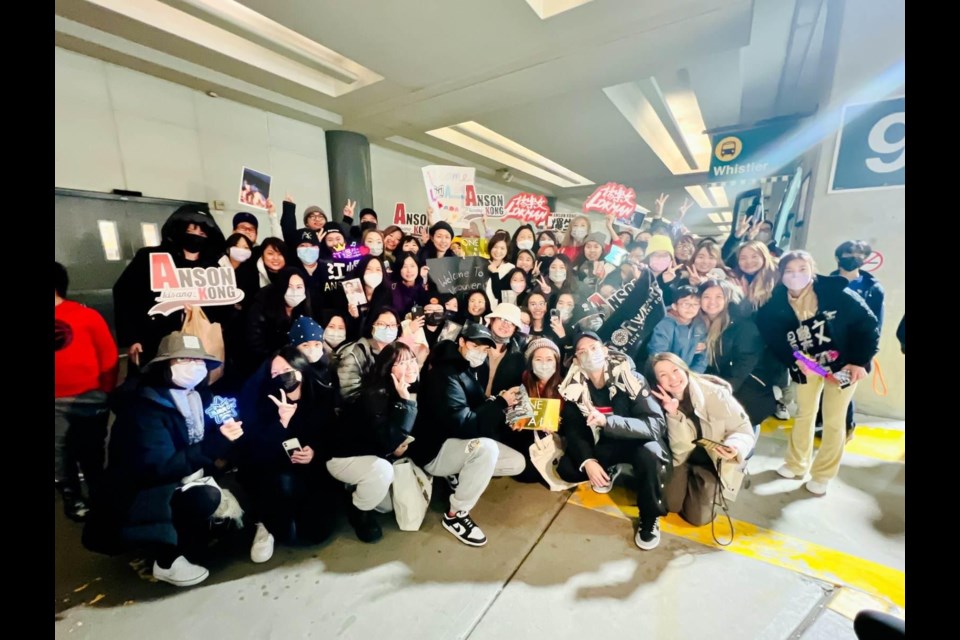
[527, 207]
[612, 199]
[197, 286]
[351, 253]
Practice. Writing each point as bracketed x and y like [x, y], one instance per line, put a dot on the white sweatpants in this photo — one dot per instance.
[474, 461]
[372, 477]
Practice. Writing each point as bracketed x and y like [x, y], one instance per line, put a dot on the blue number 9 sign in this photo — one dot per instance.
[871, 147]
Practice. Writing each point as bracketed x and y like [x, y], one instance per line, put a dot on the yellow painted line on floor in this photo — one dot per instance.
[849, 602]
[888, 445]
[768, 546]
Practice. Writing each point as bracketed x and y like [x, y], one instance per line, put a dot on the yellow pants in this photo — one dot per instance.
[800, 450]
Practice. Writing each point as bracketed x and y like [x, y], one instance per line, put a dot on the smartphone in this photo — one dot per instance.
[554, 313]
[417, 312]
[291, 446]
[709, 445]
[842, 378]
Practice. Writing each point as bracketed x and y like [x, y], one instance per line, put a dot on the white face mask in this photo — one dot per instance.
[593, 361]
[312, 353]
[373, 280]
[240, 254]
[375, 249]
[565, 313]
[308, 255]
[525, 244]
[558, 275]
[764, 236]
[188, 374]
[385, 335]
[796, 281]
[475, 357]
[334, 337]
[293, 297]
[544, 370]
[578, 233]
[518, 287]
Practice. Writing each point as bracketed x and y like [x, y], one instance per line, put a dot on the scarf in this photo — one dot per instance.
[804, 305]
[191, 407]
[619, 375]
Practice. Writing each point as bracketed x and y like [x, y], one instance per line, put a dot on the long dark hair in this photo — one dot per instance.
[513, 249]
[399, 258]
[274, 306]
[280, 246]
[361, 269]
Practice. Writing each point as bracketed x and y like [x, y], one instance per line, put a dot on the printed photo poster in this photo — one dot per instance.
[447, 192]
[254, 189]
[613, 199]
[353, 289]
[194, 286]
[414, 224]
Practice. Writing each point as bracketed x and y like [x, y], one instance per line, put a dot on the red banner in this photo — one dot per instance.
[612, 199]
[527, 207]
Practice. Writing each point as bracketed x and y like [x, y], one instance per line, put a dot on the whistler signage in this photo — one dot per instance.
[751, 153]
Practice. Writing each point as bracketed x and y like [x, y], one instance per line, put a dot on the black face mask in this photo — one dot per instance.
[286, 381]
[193, 243]
[434, 319]
[367, 225]
[850, 263]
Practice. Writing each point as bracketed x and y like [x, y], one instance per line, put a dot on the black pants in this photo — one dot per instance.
[191, 518]
[295, 503]
[80, 440]
[650, 473]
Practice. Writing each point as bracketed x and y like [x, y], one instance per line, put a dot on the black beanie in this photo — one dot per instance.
[442, 225]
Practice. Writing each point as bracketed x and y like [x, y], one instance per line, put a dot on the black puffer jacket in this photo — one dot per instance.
[743, 360]
[850, 324]
[375, 425]
[453, 404]
[266, 332]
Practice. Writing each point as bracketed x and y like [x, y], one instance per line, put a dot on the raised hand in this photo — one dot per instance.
[349, 208]
[687, 204]
[662, 200]
[284, 409]
[670, 404]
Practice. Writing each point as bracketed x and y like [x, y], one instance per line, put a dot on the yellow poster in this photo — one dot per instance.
[546, 415]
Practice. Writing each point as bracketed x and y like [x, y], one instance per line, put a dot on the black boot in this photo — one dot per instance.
[365, 524]
[73, 505]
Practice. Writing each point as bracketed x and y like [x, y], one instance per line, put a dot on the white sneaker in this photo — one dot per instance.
[816, 488]
[262, 548]
[784, 472]
[613, 473]
[182, 573]
[466, 530]
[781, 413]
[648, 539]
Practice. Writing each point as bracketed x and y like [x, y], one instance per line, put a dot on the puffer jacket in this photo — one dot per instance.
[680, 339]
[355, 360]
[722, 419]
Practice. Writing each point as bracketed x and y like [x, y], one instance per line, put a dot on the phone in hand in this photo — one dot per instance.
[291, 446]
[554, 313]
[709, 445]
[417, 312]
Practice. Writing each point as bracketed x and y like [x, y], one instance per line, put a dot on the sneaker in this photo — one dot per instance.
[614, 472]
[784, 472]
[465, 529]
[454, 482]
[73, 505]
[781, 413]
[648, 538]
[816, 488]
[182, 573]
[262, 548]
[818, 431]
[365, 524]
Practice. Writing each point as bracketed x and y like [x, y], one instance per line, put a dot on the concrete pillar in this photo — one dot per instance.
[348, 162]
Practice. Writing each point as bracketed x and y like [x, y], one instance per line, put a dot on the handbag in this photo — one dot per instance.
[196, 323]
[545, 453]
[229, 507]
[412, 489]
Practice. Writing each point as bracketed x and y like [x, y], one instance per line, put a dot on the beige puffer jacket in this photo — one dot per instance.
[722, 419]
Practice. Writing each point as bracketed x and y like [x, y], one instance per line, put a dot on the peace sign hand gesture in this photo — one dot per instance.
[662, 200]
[687, 204]
[670, 404]
[349, 208]
[284, 409]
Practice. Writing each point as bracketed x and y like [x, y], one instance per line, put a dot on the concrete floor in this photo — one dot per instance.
[552, 569]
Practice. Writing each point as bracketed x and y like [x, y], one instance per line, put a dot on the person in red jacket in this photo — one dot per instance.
[85, 357]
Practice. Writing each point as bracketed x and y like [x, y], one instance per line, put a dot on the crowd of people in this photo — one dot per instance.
[664, 361]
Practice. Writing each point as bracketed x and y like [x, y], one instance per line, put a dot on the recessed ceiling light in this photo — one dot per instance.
[213, 94]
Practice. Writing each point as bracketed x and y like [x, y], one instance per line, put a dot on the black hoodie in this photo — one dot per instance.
[132, 296]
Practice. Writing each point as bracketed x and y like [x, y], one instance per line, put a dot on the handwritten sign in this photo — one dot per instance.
[456, 275]
[612, 199]
[447, 192]
[195, 286]
[527, 207]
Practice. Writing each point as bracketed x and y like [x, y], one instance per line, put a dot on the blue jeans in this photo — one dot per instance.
[80, 435]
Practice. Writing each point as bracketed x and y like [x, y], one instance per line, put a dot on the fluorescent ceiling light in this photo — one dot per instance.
[671, 124]
[721, 217]
[699, 196]
[724, 228]
[549, 8]
[290, 55]
[478, 139]
[719, 195]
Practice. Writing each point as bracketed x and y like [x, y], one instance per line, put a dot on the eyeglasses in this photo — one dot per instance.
[315, 215]
[688, 305]
[384, 326]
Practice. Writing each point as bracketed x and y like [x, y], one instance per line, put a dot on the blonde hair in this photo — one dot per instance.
[673, 359]
[760, 290]
[568, 240]
[713, 249]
